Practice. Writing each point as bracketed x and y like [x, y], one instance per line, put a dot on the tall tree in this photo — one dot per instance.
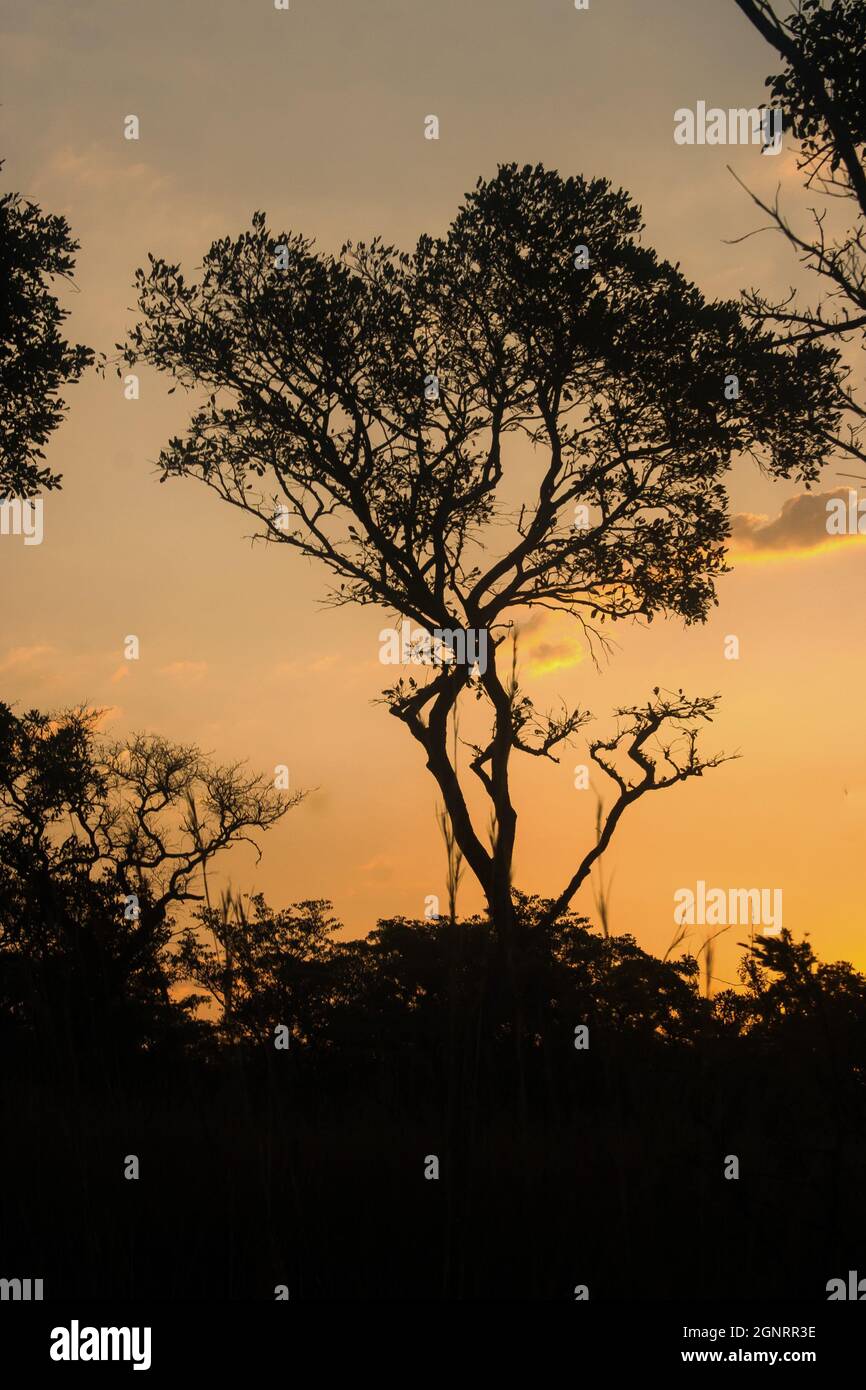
[36, 362]
[822, 91]
[362, 408]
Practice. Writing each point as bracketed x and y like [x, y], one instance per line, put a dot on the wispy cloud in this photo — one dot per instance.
[546, 643]
[548, 657]
[800, 529]
[97, 170]
[185, 672]
[301, 667]
[18, 657]
[378, 869]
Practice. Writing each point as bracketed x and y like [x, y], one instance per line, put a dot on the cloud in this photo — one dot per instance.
[42, 666]
[305, 667]
[799, 529]
[185, 672]
[554, 656]
[378, 869]
[23, 656]
[546, 643]
[100, 170]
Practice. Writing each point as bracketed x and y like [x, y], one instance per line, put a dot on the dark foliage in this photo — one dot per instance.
[426, 423]
[98, 841]
[304, 1166]
[822, 91]
[35, 360]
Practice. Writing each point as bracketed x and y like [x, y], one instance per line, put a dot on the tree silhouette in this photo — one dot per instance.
[822, 90]
[98, 841]
[428, 425]
[148, 812]
[35, 361]
[265, 967]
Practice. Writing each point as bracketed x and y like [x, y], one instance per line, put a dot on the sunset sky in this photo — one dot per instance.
[316, 115]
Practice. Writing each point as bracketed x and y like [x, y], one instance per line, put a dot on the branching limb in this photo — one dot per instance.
[661, 740]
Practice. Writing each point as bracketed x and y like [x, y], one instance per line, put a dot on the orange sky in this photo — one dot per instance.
[316, 115]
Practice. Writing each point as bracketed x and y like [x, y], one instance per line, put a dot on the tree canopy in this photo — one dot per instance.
[429, 425]
[822, 90]
[36, 362]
